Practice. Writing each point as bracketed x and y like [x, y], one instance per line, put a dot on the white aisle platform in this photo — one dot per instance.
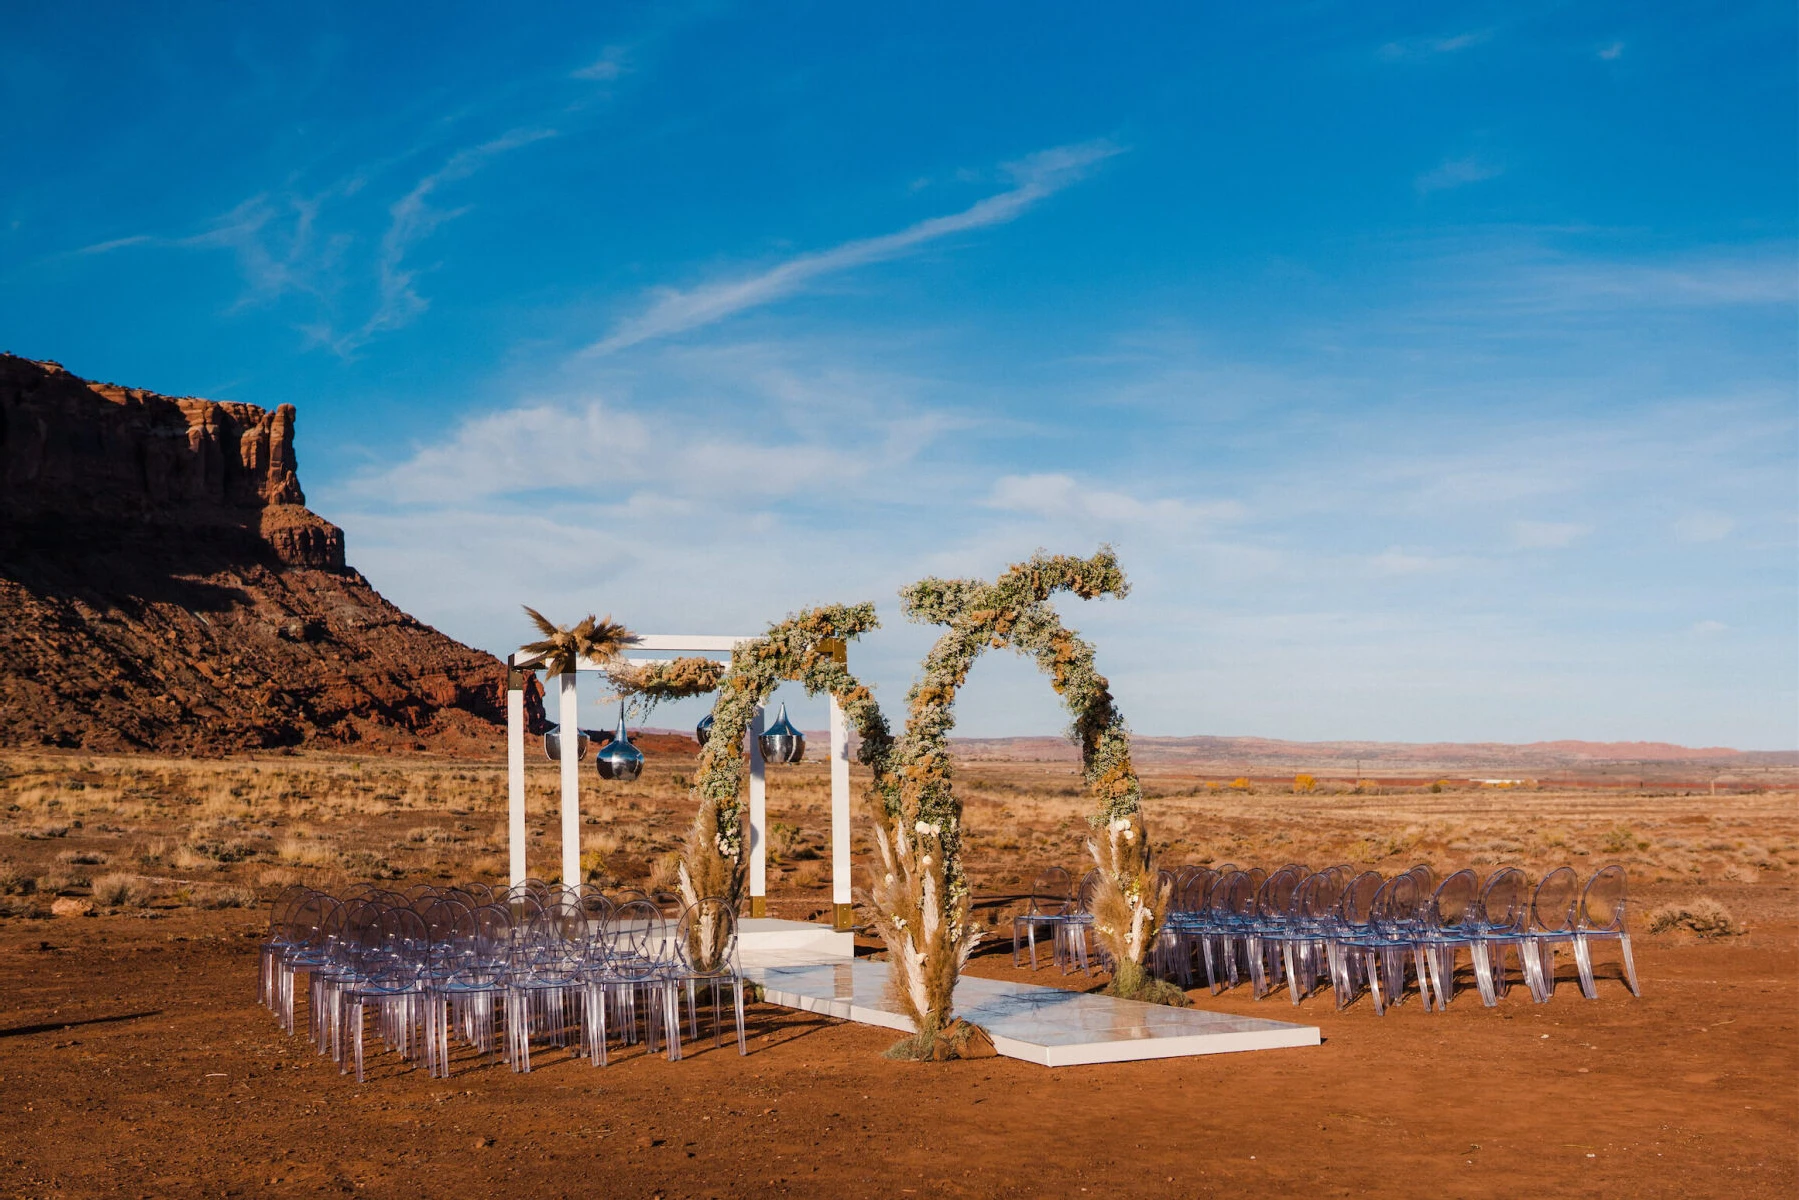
[758, 936]
[1044, 1025]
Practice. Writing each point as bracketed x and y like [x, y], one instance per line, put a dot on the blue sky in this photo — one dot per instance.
[1431, 368]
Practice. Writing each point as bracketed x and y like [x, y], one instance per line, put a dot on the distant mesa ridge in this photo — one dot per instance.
[1273, 755]
[164, 586]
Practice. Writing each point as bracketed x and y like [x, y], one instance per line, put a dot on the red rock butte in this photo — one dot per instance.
[164, 586]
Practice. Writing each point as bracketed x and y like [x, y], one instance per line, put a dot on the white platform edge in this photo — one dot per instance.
[1090, 1053]
[770, 937]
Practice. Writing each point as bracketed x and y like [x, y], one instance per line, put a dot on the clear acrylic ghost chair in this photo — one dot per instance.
[705, 956]
[1265, 941]
[1603, 906]
[1071, 932]
[1172, 954]
[1553, 910]
[392, 980]
[1303, 947]
[1503, 914]
[1395, 942]
[1449, 920]
[470, 987]
[631, 976]
[341, 929]
[1052, 895]
[307, 948]
[1233, 919]
[281, 911]
[1346, 944]
[1198, 921]
[545, 981]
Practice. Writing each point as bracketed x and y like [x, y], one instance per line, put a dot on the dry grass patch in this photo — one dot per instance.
[1704, 917]
[121, 890]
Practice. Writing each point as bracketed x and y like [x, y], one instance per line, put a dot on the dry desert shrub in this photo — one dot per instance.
[120, 890]
[53, 883]
[15, 880]
[306, 852]
[225, 897]
[1703, 916]
[665, 872]
[82, 858]
[277, 877]
[186, 858]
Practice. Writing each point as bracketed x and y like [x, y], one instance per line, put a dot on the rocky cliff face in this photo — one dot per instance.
[163, 586]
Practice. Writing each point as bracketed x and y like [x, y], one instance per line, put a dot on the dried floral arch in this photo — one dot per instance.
[920, 899]
[808, 649]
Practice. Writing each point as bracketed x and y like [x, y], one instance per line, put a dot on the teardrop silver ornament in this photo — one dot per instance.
[782, 742]
[618, 758]
[552, 744]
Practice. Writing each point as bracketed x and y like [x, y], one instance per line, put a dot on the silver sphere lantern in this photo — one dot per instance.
[703, 731]
[783, 742]
[552, 743]
[618, 758]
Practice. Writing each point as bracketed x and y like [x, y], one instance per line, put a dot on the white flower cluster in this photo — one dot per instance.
[925, 827]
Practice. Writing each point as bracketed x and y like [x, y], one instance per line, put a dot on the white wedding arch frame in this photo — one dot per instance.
[652, 647]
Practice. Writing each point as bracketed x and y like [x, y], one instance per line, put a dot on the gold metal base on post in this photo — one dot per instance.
[758, 906]
[844, 917]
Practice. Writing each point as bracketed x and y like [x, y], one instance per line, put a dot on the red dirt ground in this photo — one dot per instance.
[135, 1062]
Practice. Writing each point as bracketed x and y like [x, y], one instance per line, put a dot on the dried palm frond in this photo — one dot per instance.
[597, 639]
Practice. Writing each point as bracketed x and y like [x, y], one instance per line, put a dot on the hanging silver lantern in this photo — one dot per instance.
[618, 758]
[552, 744]
[783, 742]
[703, 731]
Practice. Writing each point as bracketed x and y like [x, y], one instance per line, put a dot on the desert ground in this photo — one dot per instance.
[136, 1061]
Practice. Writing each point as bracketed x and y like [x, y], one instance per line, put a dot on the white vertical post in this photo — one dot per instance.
[571, 783]
[843, 909]
[758, 819]
[515, 775]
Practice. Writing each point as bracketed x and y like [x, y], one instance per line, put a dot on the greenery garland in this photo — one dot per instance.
[920, 899]
[806, 648]
[648, 684]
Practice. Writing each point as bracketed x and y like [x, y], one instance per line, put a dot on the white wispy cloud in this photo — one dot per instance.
[613, 62]
[274, 240]
[1457, 172]
[1613, 51]
[1427, 47]
[1703, 527]
[1035, 178]
[1547, 535]
[1063, 498]
[412, 219]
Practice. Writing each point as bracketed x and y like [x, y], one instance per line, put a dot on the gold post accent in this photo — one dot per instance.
[837, 648]
[844, 917]
[758, 906]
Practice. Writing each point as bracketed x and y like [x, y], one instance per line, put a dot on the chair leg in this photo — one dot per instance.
[743, 1046]
[1583, 959]
[1630, 966]
[1483, 974]
[671, 1003]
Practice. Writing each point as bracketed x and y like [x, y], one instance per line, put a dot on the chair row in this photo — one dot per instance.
[497, 971]
[1356, 931]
